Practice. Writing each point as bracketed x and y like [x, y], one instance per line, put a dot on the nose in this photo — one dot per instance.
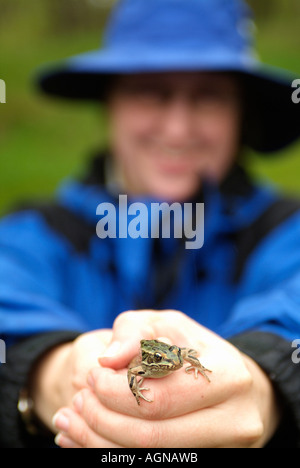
[177, 124]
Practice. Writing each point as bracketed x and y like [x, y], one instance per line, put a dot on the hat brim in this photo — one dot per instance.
[272, 120]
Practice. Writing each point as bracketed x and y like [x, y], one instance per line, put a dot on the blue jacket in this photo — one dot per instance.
[56, 274]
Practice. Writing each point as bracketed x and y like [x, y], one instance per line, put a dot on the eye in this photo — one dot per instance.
[157, 357]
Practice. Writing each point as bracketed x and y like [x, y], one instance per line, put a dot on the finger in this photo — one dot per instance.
[120, 429]
[222, 426]
[75, 432]
[174, 395]
[132, 326]
[178, 393]
[164, 339]
[128, 329]
[65, 442]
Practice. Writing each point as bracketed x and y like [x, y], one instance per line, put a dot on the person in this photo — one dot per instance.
[185, 94]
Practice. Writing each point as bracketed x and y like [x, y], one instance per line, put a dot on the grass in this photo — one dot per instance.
[278, 44]
[44, 140]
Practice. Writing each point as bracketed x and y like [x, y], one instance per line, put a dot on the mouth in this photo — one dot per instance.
[173, 162]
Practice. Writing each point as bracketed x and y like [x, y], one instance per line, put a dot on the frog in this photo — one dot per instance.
[158, 359]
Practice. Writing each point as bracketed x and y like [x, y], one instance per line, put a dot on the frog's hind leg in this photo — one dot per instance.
[135, 387]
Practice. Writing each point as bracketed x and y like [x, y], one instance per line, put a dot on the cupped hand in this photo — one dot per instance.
[236, 409]
[63, 371]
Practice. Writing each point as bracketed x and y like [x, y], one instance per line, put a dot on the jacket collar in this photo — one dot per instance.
[230, 207]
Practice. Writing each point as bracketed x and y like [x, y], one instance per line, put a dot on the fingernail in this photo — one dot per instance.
[64, 442]
[61, 422]
[78, 402]
[57, 439]
[112, 350]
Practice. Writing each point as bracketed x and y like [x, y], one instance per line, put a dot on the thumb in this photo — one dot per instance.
[128, 330]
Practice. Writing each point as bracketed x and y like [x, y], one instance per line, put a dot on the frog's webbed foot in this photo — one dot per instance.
[197, 369]
[135, 387]
[139, 395]
[189, 355]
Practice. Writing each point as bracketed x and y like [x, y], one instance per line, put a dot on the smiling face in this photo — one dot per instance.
[169, 131]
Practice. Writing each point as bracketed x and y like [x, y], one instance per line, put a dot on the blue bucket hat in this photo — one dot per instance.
[186, 35]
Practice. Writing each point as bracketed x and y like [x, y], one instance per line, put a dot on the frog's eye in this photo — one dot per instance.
[157, 357]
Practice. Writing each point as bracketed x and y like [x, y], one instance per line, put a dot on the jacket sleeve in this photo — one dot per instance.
[265, 322]
[34, 315]
[32, 278]
[268, 296]
[274, 355]
[14, 376]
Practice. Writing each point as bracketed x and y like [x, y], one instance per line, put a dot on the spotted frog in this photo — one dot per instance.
[157, 360]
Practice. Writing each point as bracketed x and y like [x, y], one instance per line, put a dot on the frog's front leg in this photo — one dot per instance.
[189, 355]
[135, 385]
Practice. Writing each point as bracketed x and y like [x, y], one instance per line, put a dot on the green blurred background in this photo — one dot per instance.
[44, 140]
